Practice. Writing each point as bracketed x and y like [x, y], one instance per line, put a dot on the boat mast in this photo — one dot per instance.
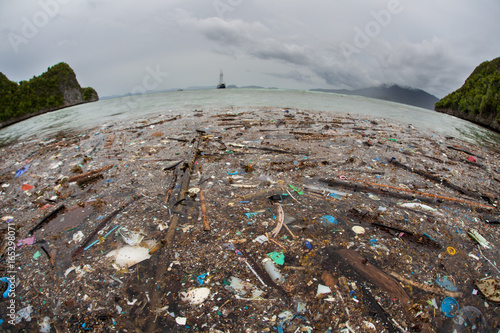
[221, 80]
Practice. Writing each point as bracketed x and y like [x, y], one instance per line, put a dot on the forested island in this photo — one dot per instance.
[478, 100]
[55, 89]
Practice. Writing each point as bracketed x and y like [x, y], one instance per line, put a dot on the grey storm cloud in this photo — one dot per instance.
[424, 44]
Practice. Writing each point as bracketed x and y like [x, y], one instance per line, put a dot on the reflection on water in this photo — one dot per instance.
[483, 137]
[131, 108]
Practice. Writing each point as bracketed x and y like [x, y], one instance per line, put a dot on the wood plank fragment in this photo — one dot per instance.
[109, 141]
[89, 174]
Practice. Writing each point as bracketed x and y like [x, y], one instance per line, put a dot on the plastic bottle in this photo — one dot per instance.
[272, 270]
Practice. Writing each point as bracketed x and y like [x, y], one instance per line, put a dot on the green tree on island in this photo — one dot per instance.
[54, 89]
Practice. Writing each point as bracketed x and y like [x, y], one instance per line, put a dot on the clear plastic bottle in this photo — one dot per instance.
[273, 272]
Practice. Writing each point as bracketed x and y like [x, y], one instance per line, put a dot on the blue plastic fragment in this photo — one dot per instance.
[446, 284]
[234, 173]
[450, 307]
[329, 219]
[201, 278]
[429, 237]
[334, 195]
[308, 245]
[250, 215]
[19, 172]
[9, 287]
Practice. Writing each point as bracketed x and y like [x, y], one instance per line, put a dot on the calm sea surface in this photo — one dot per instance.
[130, 108]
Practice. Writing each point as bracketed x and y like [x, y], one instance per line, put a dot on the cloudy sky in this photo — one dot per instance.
[129, 45]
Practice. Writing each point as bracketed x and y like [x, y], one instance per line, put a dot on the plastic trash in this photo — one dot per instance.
[296, 189]
[242, 288]
[449, 307]
[45, 325]
[250, 215]
[27, 187]
[472, 159]
[181, 321]
[9, 286]
[24, 313]
[322, 289]
[19, 172]
[26, 241]
[413, 205]
[128, 256]
[445, 283]
[272, 270]
[261, 239]
[201, 278]
[132, 238]
[308, 245]
[478, 238]
[37, 255]
[358, 229]
[277, 257]
[195, 296]
[329, 219]
[468, 319]
[78, 236]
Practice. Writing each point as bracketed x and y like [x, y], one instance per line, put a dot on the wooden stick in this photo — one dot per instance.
[425, 287]
[353, 184]
[45, 219]
[290, 231]
[88, 174]
[467, 202]
[206, 225]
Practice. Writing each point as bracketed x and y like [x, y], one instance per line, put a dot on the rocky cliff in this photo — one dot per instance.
[478, 100]
[55, 89]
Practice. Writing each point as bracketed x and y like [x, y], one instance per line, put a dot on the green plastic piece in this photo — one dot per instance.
[296, 189]
[277, 257]
[37, 255]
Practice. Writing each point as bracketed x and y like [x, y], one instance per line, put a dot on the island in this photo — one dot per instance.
[478, 100]
[55, 89]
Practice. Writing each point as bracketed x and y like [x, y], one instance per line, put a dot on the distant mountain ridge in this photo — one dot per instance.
[478, 100]
[55, 89]
[393, 93]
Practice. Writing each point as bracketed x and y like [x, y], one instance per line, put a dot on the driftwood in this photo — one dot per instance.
[441, 181]
[186, 177]
[168, 239]
[373, 274]
[88, 174]
[46, 219]
[206, 225]
[374, 187]
[109, 141]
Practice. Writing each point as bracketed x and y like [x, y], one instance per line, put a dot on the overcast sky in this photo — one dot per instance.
[129, 45]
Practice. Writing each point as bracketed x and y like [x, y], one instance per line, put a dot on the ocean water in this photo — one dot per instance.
[87, 116]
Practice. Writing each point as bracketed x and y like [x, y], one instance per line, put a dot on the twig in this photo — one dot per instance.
[425, 287]
[290, 231]
[488, 260]
[206, 225]
[88, 174]
[275, 242]
[45, 219]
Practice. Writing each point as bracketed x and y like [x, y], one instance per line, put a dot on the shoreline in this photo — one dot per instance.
[361, 191]
[16, 120]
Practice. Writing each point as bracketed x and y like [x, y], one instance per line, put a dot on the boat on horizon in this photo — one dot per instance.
[221, 84]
